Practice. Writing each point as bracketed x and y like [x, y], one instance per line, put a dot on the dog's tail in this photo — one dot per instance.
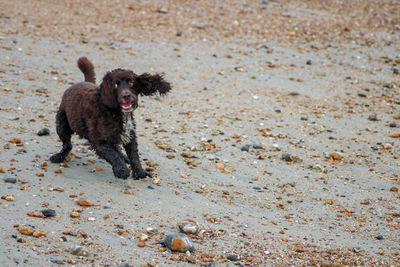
[87, 68]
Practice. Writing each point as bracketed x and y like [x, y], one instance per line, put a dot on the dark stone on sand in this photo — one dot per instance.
[374, 148]
[10, 180]
[234, 257]
[44, 131]
[49, 212]
[286, 157]
[258, 146]
[245, 148]
[57, 261]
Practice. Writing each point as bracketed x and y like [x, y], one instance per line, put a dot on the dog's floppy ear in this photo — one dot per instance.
[147, 84]
[107, 95]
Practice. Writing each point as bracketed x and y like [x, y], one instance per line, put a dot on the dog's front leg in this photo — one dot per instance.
[132, 151]
[113, 156]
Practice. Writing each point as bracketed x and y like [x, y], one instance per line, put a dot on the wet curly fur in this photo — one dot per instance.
[104, 115]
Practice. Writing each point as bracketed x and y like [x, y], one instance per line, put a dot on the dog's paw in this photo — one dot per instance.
[140, 174]
[57, 158]
[121, 173]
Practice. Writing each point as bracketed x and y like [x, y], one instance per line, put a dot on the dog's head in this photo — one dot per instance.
[120, 88]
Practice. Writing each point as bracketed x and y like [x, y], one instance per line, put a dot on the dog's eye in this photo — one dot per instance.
[116, 84]
[130, 82]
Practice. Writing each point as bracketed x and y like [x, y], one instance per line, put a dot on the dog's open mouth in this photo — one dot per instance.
[127, 107]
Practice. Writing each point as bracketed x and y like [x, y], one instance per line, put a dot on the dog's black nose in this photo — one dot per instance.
[126, 95]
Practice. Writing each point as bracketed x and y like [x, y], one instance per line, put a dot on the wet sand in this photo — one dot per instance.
[281, 142]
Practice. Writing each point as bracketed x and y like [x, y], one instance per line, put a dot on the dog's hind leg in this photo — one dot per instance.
[114, 156]
[64, 132]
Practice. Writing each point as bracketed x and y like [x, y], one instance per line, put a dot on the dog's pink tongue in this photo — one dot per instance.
[126, 105]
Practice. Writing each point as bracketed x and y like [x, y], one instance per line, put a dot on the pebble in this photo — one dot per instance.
[289, 157]
[151, 230]
[143, 237]
[220, 166]
[372, 118]
[48, 212]
[379, 237]
[239, 69]
[8, 198]
[178, 242]
[79, 251]
[141, 244]
[365, 202]
[57, 261]
[44, 131]
[286, 157]
[395, 135]
[163, 10]
[84, 203]
[304, 118]
[38, 233]
[387, 146]
[245, 148]
[258, 146]
[26, 230]
[234, 257]
[188, 226]
[187, 155]
[125, 264]
[74, 214]
[336, 156]
[317, 167]
[73, 233]
[357, 249]
[156, 181]
[10, 180]
[211, 157]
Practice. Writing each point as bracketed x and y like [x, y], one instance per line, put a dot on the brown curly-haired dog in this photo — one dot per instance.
[104, 115]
